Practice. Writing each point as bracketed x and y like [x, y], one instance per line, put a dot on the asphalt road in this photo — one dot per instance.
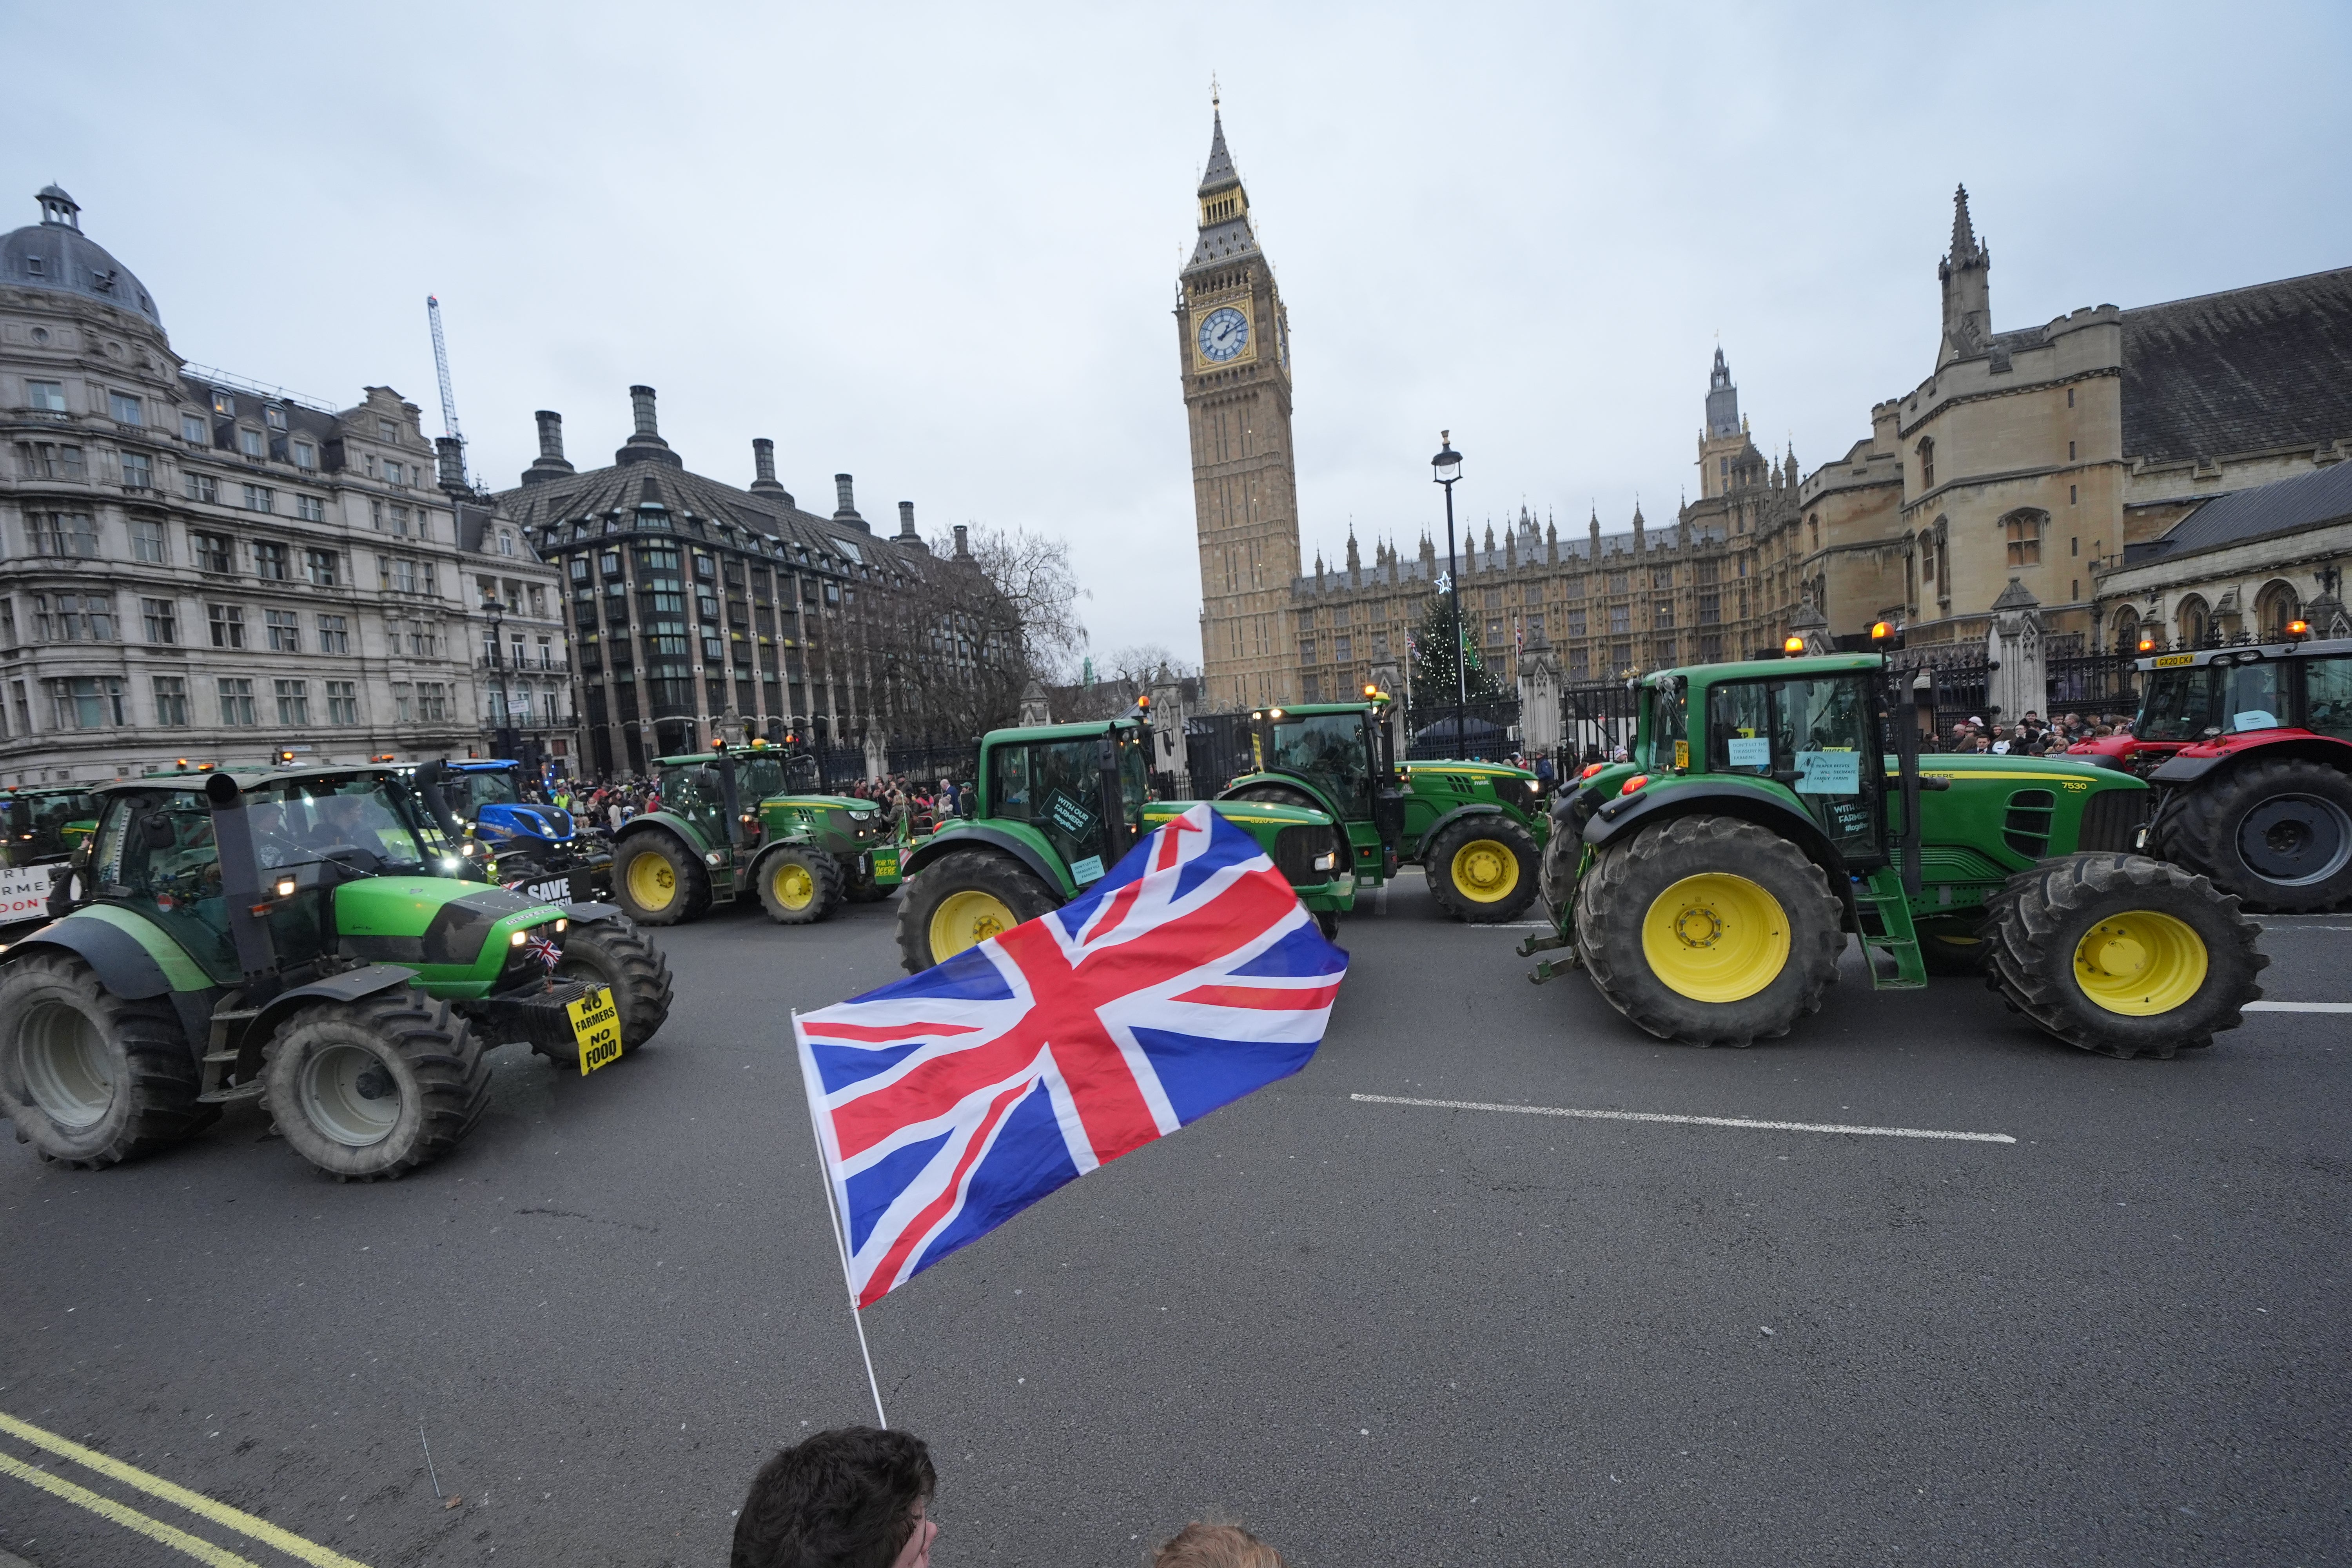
[1376, 1332]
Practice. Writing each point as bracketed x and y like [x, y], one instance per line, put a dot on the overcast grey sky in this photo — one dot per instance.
[936, 248]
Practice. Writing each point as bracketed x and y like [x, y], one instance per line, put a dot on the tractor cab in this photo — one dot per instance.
[1818, 734]
[1083, 793]
[1341, 749]
[157, 855]
[46, 825]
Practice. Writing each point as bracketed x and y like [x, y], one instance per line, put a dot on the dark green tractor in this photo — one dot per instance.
[1709, 887]
[298, 937]
[1475, 828]
[751, 821]
[42, 827]
[1057, 807]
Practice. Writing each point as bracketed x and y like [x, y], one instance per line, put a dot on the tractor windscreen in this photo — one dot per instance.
[317, 818]
[1665, 724]
[801, 776]
[1330, 749]
[691, 790]
[757, 775]
[2209, 700]
[1818, 736]
[469, 792]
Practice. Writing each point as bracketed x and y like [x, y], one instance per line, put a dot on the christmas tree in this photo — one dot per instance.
[1435, 645]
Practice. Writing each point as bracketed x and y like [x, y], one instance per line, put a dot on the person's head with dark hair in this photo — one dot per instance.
[852, 1498]
[1199, 1546]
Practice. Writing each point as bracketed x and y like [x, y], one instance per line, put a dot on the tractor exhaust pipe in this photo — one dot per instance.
[429, 777]
[241, 894]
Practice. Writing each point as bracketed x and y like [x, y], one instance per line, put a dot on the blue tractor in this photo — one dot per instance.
[537, 849]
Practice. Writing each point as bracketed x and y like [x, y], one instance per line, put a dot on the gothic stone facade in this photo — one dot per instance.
[192, 565]
[2046, 454]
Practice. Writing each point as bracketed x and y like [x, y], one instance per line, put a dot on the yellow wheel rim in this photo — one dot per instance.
[2140, 963]
[966, 919]
[1715, 938]
[652, 883]
[794, 887]
[1484, 871]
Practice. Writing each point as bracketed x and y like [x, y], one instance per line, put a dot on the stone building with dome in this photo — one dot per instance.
[193, 564]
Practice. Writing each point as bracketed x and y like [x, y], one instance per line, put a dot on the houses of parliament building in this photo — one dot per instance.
[2034, 456]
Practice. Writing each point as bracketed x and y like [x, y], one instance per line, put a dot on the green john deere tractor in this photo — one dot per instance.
[1475, 828]
[41, 827]
[1708, 887]
[298, 937]
[801, 852]
[1057, 806]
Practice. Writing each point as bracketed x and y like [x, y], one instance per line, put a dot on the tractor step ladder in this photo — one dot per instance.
[1879, 899]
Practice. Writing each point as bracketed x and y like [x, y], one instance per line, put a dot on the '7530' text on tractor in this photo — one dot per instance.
[751, 820]
[1475, 828]
[1057, 807]
[1708, 887]
[297, 937]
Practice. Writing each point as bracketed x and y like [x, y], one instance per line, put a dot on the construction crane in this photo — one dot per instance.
[441, 365]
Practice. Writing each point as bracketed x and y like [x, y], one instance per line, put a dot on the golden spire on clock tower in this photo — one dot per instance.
[1234, 347]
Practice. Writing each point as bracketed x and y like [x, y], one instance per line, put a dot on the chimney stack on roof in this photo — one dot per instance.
[907, 535]
[846, 512]
[764, 467]
[645, 444]
[963, 546]
[550, 461]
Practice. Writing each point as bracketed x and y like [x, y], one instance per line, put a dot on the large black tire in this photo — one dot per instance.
[2277, 834]
[1483, 869]
[2075, 928]
[90, 1078]
[1561, 853]
[798, 885]
[688, 888]
[1292, 796]
[377, 1086]
[975, 876]
[1793, 951]
[618, 956]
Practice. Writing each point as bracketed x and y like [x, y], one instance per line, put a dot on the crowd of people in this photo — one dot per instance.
[860, 1496]
[2032, 735]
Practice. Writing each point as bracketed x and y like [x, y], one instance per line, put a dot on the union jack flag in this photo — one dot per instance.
[549, 953]
[949, 1102]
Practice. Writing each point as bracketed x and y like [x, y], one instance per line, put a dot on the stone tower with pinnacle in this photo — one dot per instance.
[1232, 345]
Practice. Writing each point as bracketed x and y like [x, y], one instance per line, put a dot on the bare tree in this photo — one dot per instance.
[970, 633]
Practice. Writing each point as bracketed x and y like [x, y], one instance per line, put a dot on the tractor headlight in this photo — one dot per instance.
[450, 862]
[559, 926]
[1328, 860]
[516, 938]
[284, 886]
[471, 848]
[716, 857]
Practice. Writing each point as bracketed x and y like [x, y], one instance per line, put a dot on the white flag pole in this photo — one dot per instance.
[809, 1083]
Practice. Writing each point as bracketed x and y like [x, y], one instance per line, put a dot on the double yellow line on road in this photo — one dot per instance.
[106, 1508]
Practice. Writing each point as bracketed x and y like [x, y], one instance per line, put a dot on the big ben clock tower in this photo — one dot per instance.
[1233, 344]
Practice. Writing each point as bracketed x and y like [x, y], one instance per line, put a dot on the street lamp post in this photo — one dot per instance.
[1447, 467]
[502, 735]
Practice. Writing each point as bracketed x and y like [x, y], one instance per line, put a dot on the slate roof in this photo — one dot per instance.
[2249, 370]
[2286, 505]
[567, 498]
[60, 257]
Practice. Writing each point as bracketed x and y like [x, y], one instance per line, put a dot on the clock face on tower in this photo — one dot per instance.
[1224, 333]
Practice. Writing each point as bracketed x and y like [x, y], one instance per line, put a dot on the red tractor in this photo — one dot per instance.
[2251, 751]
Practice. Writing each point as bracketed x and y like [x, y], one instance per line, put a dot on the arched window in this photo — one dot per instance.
[2128, 630]
[1928, 463]
[2195, 621]
[2022, 532]
[2278, 604]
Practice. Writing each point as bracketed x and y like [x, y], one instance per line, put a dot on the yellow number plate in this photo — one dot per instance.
[1682, 753]
[2174, 660]
[596, 1025]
